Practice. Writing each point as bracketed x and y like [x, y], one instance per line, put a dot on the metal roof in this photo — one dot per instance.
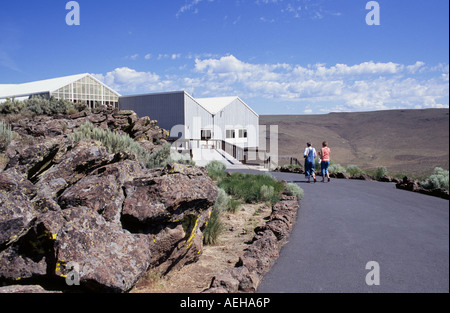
[215, 105]
[42, 86]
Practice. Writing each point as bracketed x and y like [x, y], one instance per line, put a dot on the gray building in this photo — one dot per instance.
[199, 121]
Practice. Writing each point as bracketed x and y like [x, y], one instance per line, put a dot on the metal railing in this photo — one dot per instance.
[285, 160]
[251, 156]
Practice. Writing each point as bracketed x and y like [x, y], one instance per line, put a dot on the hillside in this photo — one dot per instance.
[404, 141]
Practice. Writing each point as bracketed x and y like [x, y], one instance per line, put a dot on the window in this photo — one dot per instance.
[243, 133]
[231, 134]
[206, 134]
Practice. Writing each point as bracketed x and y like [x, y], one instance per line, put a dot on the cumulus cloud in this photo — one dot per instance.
[125, 79]
[342, 87]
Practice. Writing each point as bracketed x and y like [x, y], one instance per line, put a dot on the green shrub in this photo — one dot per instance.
[294, 190]
[222, 200]
[439, 179]
[214, 228]
[266, 193]
[216, 169]
[336, 168]
[380, 172]
[41, 106]
[233, 205]
[226, 203]
[354, 170]
[6, 136]
[11, 106]
[115, 142]
[180, 158]
[158, 158]
[247, 187]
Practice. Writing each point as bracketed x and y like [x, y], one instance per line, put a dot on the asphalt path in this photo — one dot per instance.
[345, 224]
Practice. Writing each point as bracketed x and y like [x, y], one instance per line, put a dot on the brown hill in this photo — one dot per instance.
[403, 141]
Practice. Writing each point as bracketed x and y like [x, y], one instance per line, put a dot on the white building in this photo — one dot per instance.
[76, 88]
[227, 119]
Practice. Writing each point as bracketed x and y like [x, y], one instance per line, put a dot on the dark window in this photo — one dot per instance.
[231, 134]
[206, 134]
[243, 133]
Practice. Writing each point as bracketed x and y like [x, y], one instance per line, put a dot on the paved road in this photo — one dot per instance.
[345, 224]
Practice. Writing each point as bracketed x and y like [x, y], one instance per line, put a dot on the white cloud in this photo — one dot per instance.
[173, 56]
[125, 79]
[341, 87]
[190, 6]
[416, 67]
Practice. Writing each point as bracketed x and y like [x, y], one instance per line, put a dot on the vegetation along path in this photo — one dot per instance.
[345, 224]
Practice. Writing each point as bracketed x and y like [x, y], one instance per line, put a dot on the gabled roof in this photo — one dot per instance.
[215, 105]
[42, 86]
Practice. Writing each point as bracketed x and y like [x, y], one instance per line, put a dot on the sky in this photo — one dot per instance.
[279, 56]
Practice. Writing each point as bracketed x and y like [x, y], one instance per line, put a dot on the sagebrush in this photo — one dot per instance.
[354, 170]
[439, 179]
[6, 136]
[294, 190]
[41, 106]
[216, 169]
[380, 172]
[115, 142]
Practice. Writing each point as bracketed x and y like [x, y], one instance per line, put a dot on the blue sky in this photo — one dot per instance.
[280, 56]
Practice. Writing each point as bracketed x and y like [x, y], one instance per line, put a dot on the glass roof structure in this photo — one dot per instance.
[76, 88]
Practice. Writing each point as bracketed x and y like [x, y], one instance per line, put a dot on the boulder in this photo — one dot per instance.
[339, 175]
[179, 192]
[102, 190]
[16, 209]
[24, 289]
[30, 255]
[173, 206]
[362, 176]
[71, 167]
[109, 258]
[238, 279]
[32, 157]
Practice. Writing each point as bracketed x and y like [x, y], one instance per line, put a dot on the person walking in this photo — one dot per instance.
[324, 155]
[310, 155]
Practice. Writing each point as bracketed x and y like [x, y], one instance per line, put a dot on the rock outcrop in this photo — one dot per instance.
[73, 212]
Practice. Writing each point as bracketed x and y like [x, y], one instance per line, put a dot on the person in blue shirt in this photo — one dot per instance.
[310, 156]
